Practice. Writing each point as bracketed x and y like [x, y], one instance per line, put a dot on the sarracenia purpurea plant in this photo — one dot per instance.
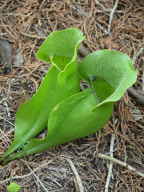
[59, 105]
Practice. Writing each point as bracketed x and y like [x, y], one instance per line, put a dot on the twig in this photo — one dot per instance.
[33, 36]
[102, 28]
[105, 9]
[27, 175]
[119, 162]
[139, 98]
[37, 178]
[1, 118]
[78, 179]
[100, 4]
[111, 163]
[42, 3]
[138, 54]
[138, 95]
[143, 78]
[111, 15]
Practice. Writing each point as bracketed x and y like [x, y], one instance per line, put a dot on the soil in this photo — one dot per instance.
[25, 24]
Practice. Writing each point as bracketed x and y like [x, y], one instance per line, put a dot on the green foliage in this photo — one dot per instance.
[13, 187]
[60, 105]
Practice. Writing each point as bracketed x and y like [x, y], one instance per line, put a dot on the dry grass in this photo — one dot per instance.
[25, 23]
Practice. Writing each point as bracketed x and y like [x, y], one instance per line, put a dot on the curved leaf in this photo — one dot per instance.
[60, 47]
[113, 67]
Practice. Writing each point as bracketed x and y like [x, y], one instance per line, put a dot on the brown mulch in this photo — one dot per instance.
[24, 24]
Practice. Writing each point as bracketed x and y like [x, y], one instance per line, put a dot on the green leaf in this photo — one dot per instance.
[60, 47]
[13, 187]
[84, 120]
[71, 119]
[113, 67]
[60, 82]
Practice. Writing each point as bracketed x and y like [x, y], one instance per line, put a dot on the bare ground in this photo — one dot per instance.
[78, 164]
